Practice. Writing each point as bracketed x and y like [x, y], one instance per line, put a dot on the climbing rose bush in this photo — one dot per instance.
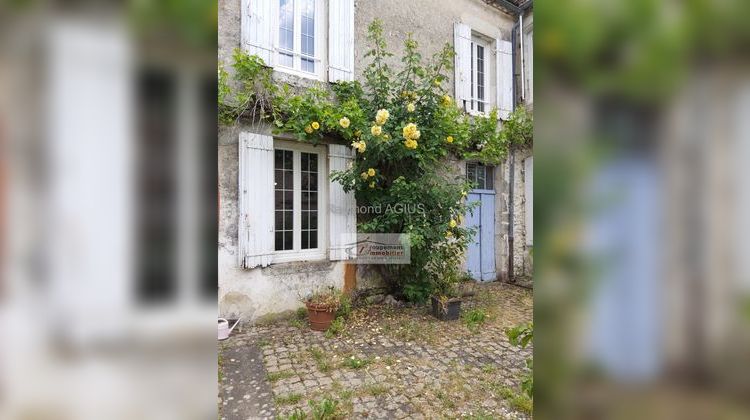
[407, 132]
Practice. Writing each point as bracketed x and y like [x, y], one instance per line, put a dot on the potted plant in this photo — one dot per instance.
[322, 307]
[446, 278]
[446, 297]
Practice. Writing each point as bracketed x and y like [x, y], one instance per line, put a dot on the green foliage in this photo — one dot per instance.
[354, 362]
[320, 360]
[277, 376]
[474, 319]
[325, 409]
[335, 328]
[521, 336]
[288, 399]
[345, 307]
[251, 91]
[297, 414]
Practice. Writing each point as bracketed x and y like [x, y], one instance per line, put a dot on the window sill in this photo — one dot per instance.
[298, 256]
[299, 73]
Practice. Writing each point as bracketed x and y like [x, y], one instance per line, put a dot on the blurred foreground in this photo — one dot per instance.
[107, 203]
[642, 197]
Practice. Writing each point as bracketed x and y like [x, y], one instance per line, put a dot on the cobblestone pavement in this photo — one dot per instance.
[388, 363]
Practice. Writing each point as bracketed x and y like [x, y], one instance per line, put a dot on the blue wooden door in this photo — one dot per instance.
[480, 261]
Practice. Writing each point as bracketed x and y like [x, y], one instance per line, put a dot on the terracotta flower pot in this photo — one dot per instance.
[320, 316]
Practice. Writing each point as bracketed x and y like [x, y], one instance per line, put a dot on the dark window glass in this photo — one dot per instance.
[283, 200]
[309, 203]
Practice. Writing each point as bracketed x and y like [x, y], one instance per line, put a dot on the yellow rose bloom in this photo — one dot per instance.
[376, 130]
[371, 172]
[409, 130]
[360, 146]
[449, 139]
[382, 116]
[411, 107]
[447, 100]
[315, 125]
[363, 175]
[453, 223]
[308, 129]
[344, 122]
[410, 144]
[386, 137]
[416, 135]
[372, 184]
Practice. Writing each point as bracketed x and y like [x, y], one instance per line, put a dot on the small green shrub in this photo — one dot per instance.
[345, 307]
[474, 319]
[325, 409]
[336, 327]
[320, 360]
[301, 313]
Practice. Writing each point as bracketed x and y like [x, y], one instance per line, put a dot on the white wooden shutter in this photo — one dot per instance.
[462, 46]
[256, 32]
[255, 227]
[343, 206]
[504, 68]
[340, 40]
[529, 193]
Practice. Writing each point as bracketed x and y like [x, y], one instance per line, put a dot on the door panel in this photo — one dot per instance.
[473, 218]
[480, 261]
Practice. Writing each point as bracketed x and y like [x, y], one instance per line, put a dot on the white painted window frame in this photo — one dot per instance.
[297, 253]
[321, 33]
[489, 69]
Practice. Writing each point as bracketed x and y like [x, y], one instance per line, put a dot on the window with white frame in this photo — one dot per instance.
[299, 193]
[480, 75]
[299, 36]
[480, 176]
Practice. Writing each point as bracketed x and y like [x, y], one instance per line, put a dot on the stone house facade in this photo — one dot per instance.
[269, 269]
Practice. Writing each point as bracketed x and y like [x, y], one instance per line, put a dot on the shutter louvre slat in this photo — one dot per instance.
[462, 47]
[343, 217]
[340, 40]
[504, 68]
[255, 229]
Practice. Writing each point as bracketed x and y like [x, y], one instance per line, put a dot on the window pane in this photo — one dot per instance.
[288, 240]
[471, 172]
[480, 78]
[489, 177]
[309, 200]
[480, 178]
[307, 34]
[283, 196]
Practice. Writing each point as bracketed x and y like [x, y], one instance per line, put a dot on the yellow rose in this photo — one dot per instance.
[452, 223]
[344, 122]
[382, 116]
[447, 100]
[386, 137]
[410, 107]
[362, 147]
[363, 175]
[308, 129]
[372, 184]
[371, 172]
[409, 130]
[376, 130]
[315, 125]
[448, 234]
[416, 135]
[449, 139]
